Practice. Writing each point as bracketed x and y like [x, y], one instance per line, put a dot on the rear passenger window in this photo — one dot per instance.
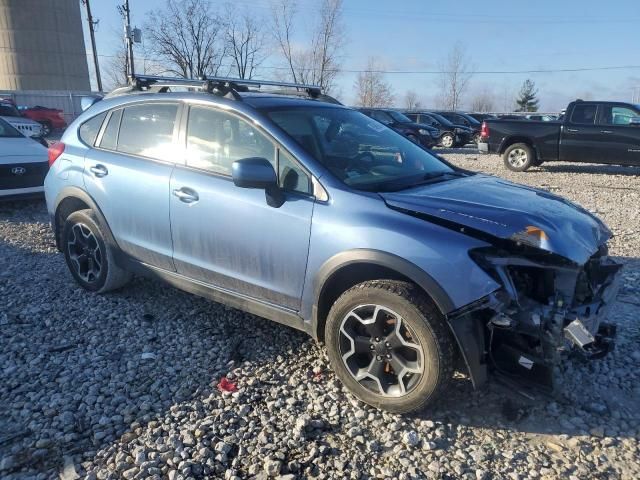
[147, 130]
[110, 136]
[89, 129]
[585, 114]
[216, 139]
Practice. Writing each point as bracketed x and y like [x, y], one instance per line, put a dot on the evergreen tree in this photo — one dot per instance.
[527, 100]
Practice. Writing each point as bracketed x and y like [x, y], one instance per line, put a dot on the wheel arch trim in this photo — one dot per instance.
[379, 258]
[78, 193]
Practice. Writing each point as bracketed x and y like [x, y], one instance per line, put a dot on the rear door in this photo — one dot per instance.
[581, 139]
[227, 236]
[621, 138]
[128, 174]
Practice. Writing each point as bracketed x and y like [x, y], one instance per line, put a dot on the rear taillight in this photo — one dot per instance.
[484, 130]
[55, 151]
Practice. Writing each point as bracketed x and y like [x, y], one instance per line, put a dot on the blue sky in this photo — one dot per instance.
[499, 36]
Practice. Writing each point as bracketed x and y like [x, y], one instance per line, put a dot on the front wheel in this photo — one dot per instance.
[46, 128]
[519, 157]
[389, 345]
[89, 258]
[447, 140]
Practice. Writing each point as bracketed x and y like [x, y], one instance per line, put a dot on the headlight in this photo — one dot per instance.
[532, 236]
[423, 131]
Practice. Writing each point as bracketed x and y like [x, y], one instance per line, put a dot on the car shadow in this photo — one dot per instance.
[88, 372]
[588, 168]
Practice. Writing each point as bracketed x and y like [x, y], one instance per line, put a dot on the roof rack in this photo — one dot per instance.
[221, 86]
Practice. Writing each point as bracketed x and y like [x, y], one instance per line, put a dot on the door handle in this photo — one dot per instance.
[186, 195]
[99, 171]
[572, 130]
[606, 131]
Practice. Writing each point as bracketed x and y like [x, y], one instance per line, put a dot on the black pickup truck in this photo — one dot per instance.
[591, 132]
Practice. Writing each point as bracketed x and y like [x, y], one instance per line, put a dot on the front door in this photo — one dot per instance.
[128, 175]
[622, 138]
[227, 236]
[580, 138]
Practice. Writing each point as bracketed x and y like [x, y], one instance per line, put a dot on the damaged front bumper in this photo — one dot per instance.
[546, 306]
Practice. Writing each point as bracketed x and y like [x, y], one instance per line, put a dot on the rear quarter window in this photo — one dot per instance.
[89, 130]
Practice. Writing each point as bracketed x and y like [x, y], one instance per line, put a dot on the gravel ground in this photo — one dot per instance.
[126, 385]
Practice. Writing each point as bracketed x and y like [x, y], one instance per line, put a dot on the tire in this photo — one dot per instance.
[398, 306]
[46, 128]
[447, 140]
[519, 157]
[89, 258]
[476, 138]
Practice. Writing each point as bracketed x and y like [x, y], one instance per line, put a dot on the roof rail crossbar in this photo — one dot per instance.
[222, 86]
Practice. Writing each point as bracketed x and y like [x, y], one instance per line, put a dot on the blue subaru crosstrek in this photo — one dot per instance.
[275, 199]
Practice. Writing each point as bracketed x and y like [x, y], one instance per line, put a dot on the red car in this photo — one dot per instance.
[49, 118]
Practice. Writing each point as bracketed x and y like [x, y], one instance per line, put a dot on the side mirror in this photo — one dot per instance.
[257, 172]
[635, 121]
[254, 172]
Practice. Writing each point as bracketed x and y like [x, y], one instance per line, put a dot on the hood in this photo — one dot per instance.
[508, 211]
[20, 147]
[21, 121]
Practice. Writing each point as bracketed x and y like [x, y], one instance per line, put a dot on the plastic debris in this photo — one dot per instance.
[226, 385]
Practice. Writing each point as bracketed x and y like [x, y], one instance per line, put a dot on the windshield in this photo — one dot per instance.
[399, 117]
[440, 119]
[8, 110]
[7, 131]
[361, 152]
[472, 120]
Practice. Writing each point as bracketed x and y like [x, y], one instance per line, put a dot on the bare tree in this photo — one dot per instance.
[328, 40]
[411, 100]
[188, 37]
[245, 39]
[283, 13]
[116, 68]
[483, 101]
[372, 90]
[456, 73]
[319, 63]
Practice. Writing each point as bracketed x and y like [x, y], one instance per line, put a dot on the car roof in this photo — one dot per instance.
[269, 100]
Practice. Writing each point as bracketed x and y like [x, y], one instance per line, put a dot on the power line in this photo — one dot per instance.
[432, 72]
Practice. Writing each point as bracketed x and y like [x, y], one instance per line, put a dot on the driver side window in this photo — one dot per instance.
[216, 139]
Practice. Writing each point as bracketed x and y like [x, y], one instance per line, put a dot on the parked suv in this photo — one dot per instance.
[451, 135]
[24, 125]
[420, 133]
[308, 213]
[465, 119]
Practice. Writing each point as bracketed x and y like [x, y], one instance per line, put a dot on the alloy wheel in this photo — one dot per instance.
[85, 253]
[380, 350]
[517, 157]
[447, 141]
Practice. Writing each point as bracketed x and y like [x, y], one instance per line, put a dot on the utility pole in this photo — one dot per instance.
[125, 11]
[92, 33]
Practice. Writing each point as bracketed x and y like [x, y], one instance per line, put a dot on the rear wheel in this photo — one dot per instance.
[390, 345]
[89, 258]
[519, 157]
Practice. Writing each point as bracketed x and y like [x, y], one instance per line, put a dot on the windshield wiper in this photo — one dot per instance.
[427, 178]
